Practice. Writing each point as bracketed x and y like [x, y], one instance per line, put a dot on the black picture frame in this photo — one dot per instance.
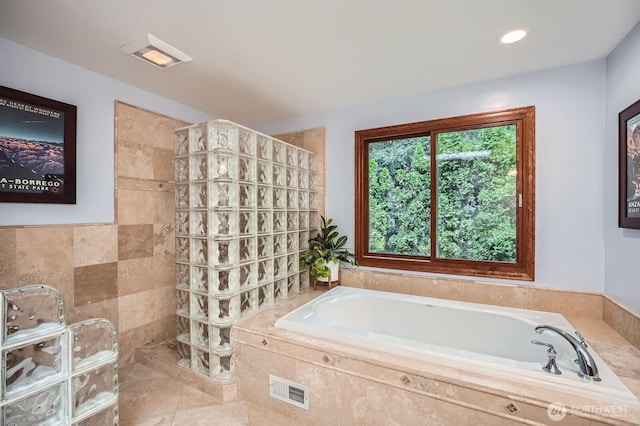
[629, 167]
[37, 149]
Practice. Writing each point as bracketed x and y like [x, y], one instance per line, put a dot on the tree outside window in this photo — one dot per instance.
[454, 195]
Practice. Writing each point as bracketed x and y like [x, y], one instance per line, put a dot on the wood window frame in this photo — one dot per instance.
[524, 266]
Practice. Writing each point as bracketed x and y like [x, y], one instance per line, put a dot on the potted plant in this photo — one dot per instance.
[326, 251]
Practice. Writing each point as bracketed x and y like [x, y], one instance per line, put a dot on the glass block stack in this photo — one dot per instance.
[54, 374]
[245, 203]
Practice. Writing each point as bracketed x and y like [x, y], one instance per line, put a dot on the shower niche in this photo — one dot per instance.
[54, 373]
[245, 206]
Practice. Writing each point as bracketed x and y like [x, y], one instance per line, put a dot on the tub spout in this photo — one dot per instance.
[588, 368]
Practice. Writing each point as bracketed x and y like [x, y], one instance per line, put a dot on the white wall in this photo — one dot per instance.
[25, 69]
[622, 246]
[569, 133]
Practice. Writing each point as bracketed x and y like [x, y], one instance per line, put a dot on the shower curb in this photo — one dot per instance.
[162, 358]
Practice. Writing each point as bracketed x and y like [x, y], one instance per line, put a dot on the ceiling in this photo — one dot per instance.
[261, 60]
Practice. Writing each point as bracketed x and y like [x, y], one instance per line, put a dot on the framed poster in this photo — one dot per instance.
[37, 149]
[629, 167]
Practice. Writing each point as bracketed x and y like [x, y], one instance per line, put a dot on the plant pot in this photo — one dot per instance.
[334, 267]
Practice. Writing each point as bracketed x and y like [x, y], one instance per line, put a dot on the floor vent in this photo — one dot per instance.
[290, 392]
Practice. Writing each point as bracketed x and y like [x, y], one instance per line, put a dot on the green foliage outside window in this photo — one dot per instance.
[475, 174]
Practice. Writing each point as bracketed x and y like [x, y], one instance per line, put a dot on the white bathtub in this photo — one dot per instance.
[487, 339]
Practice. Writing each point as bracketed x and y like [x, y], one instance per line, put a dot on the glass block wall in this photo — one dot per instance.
[245, 204]
[54, 374]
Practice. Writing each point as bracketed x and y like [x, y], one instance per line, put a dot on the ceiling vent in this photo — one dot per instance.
[155, 51]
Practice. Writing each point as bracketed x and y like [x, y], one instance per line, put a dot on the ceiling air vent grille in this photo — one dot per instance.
[290, 392]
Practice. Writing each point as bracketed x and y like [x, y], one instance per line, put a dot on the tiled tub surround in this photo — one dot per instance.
[245, 206]
[351, 385]
[485, 338]
[53, 373]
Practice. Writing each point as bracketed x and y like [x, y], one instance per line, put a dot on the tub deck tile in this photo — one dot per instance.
[389, 374]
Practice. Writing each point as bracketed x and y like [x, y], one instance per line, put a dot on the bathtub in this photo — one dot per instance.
[485, 339]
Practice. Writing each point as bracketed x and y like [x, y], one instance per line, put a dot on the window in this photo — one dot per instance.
[454, 195]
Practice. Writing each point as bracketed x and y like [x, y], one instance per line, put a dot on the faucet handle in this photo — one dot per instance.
[551, 349]
[551, 366]
[582, 342]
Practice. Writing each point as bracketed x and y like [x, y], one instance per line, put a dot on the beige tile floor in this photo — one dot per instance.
[150, 398]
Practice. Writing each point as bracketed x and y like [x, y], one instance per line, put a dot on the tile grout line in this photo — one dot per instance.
[175, 411]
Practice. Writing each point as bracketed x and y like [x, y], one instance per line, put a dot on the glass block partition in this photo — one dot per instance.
[54, 374]
[245, 205]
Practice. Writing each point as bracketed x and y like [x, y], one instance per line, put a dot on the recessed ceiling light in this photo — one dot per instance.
[513, 36]
[155, 51]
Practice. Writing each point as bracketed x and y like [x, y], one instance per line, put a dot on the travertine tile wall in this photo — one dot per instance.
[122, 271]
[621, 320]
[145, 217]
[568, 303]
[60, 255]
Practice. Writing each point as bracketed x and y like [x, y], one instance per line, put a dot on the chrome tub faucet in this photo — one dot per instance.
[588, 368]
